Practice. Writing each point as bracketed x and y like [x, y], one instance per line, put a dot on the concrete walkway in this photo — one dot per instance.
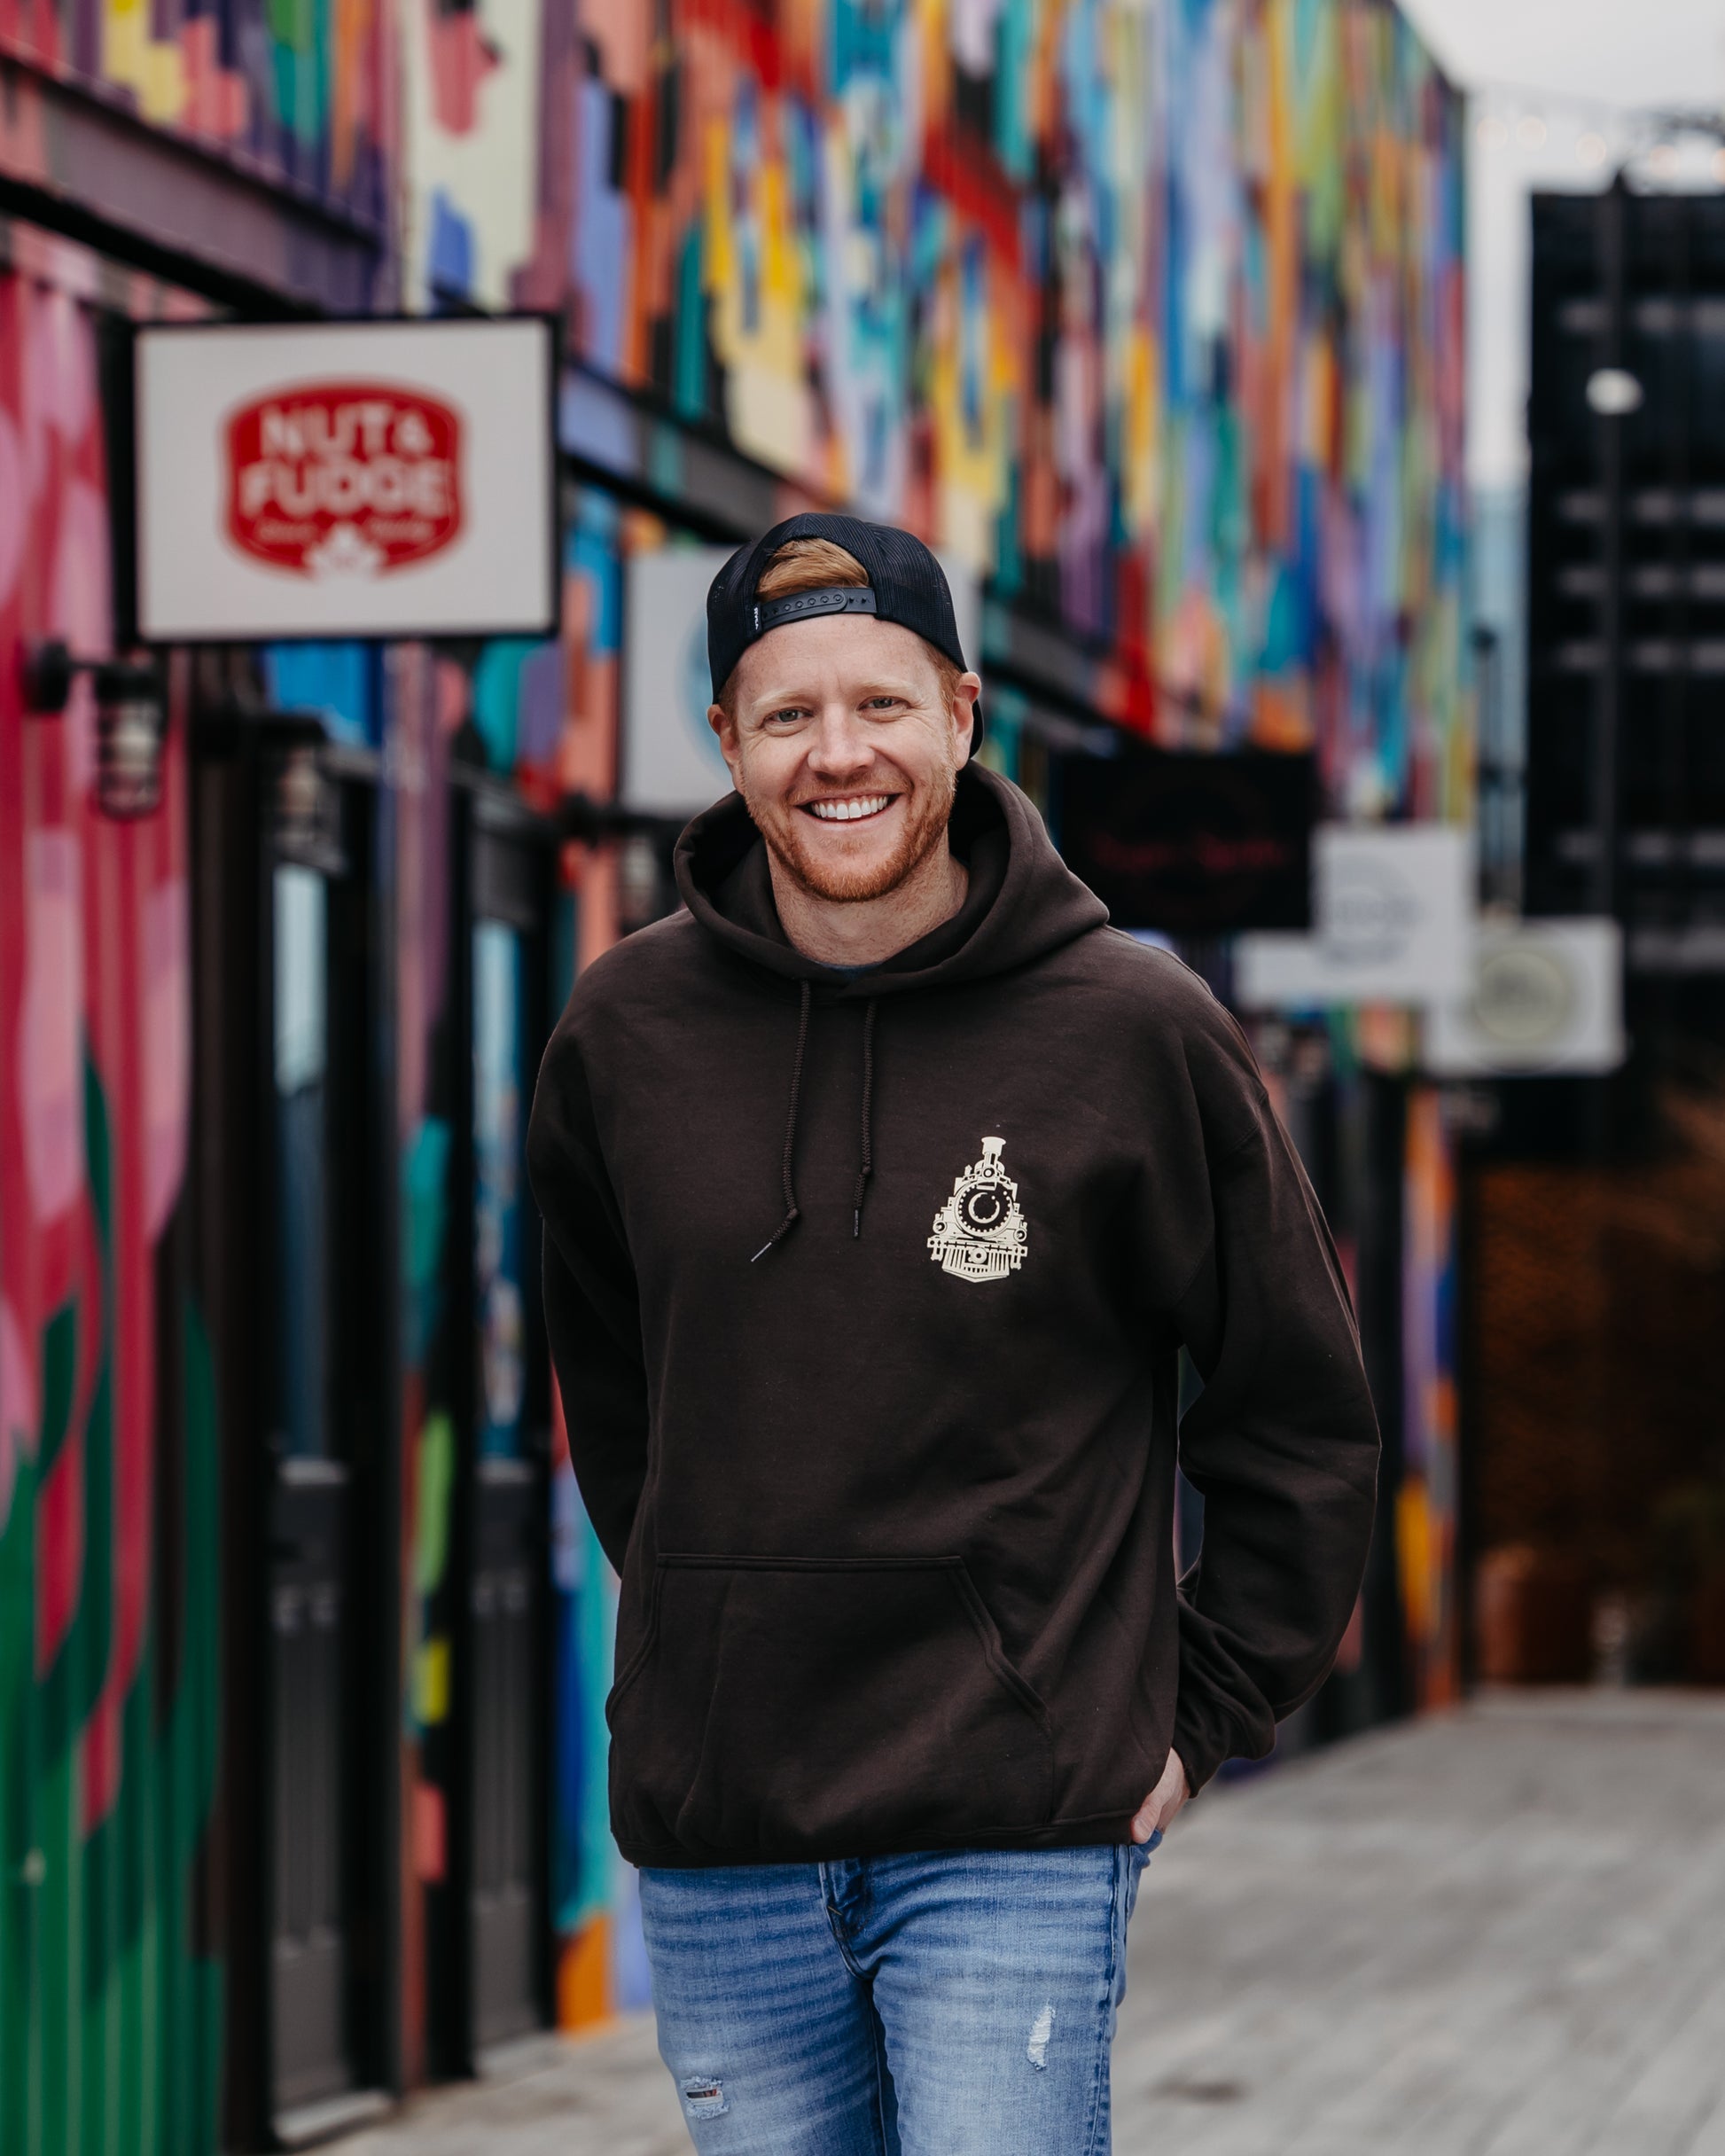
[1500, 1932]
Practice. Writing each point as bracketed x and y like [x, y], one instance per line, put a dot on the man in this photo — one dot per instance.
[882, 1188]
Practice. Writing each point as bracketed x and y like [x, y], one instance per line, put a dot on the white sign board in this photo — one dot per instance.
[1392, 906]
[355, 478]
[1546, 998]
[671, 762]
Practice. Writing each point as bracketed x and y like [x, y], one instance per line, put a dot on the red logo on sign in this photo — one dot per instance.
[344, 479]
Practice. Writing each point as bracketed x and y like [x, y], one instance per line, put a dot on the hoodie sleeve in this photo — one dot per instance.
[592, 1312]
[1283, 1444]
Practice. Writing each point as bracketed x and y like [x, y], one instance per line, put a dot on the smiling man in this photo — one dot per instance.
[883, 1187]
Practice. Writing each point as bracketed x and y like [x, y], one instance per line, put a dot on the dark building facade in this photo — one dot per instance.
[1595, 1302]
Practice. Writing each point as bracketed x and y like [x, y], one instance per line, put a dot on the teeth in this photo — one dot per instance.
[848, 811]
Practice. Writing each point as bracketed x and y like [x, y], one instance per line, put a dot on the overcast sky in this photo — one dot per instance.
[1562, 93]
[1626, 51]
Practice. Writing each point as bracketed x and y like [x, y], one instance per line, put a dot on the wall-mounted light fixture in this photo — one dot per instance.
[131, 721]
[1614, 393]
[308, 806]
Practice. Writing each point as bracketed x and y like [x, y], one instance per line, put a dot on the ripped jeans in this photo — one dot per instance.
[958, 2004]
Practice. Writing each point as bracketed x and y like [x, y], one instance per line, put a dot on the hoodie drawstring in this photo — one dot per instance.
[791, 1213]
[868, 1167]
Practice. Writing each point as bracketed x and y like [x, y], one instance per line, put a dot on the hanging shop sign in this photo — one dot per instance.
[355, 479]
[671, 763]
[1546, 999]
[1393, 923]
[1194, 844]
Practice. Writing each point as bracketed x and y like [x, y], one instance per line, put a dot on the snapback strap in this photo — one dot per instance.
[832, 598]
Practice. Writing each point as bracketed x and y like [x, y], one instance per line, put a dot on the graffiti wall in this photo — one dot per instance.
[1427, 1504]
[1152, 310]
[110, 2029]
[299, 93]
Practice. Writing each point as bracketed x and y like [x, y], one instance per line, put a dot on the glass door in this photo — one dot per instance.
[505, 1988]
[291, 1226]
[506, 1692]
[322, 1340]
[309, 1944]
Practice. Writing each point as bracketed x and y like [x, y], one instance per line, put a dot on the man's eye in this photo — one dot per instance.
[881, 703]
[787, 716]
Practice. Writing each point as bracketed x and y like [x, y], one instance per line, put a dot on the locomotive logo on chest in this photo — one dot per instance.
[980, 1233]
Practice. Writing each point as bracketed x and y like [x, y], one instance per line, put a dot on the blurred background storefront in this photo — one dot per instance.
[1151, 318]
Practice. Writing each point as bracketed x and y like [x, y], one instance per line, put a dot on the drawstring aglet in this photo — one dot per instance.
[777, 1235]
[868, 1166]
[792, 1215]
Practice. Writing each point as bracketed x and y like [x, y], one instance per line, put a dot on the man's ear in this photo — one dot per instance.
[968, 689]
[725, 727]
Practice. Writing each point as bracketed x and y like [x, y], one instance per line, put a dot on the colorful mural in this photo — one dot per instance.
[110, 1999]
[1427, 1504]
[1150, 310]
[299, 91]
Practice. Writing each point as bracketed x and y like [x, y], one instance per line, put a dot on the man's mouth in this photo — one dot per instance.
[850, 808]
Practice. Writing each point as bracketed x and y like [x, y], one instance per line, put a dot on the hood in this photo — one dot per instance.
[1022, 901]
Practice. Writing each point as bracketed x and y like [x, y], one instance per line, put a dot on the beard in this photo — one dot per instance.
[786, 832]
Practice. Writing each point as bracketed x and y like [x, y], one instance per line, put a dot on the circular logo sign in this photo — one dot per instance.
[1523, 998]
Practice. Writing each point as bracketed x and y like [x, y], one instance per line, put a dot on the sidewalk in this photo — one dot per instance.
[1500, 1932]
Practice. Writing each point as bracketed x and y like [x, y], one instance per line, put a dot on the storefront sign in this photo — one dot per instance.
[354, 474]
[367, 479]
[1547, 998]
[1191, 843]
[1394, 908]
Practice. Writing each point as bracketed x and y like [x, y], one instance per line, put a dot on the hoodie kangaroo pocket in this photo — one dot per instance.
[817, 1708]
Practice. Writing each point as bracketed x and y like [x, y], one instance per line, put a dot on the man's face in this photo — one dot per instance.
[844, 751]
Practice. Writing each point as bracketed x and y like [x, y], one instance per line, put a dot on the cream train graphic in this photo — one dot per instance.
[980, 1233]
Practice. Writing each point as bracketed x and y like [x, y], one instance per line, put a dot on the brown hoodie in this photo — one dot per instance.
[866, 1294]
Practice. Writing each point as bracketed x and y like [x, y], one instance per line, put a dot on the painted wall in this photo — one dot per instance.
[298, 91]
[109, 2019]
[1151, 309]
[1428, 1503]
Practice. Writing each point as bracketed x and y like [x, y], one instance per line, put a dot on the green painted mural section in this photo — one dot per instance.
[110, 2013]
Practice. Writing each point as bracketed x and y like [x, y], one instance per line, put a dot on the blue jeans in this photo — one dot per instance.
[943, 2005]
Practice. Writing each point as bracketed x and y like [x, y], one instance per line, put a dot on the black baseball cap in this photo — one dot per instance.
[906, 584]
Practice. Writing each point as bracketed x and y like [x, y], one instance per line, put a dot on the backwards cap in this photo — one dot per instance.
[906, 584]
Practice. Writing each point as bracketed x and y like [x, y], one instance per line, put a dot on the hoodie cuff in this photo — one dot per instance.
[1203, 1736]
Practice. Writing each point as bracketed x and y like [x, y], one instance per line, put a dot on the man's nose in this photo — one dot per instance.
[840, 748]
